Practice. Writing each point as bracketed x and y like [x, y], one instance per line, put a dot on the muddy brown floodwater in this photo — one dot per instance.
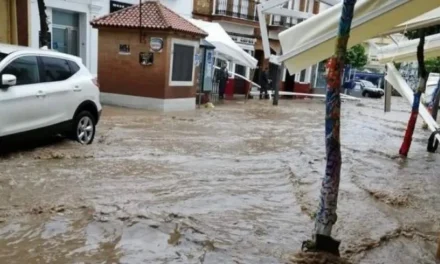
[235, 184]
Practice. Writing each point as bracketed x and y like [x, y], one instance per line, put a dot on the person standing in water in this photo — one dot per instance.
[222, 79]
[264, 83]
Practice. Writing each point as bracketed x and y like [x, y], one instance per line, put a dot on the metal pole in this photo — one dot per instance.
[436, 102]
[203, 77]
[279, 78]
[388, 94]
[140, 21]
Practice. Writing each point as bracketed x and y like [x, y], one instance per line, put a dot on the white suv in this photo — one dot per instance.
[43, 90]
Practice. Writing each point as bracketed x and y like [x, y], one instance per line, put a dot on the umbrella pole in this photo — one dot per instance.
[423, 77]
[278, 83]
[436, 101]
[326, 215]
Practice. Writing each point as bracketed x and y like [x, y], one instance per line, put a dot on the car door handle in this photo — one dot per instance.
[77, 88]
[41, 94]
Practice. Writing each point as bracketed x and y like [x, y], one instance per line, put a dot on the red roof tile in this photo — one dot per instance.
[154, 16]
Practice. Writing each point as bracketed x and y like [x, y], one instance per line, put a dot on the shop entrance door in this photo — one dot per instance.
[65, 32]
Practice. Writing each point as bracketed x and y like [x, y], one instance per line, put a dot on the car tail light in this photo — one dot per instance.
[95, 81]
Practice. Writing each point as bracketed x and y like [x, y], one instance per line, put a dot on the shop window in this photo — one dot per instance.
[239, 69]
[302, 76]
[182, 64]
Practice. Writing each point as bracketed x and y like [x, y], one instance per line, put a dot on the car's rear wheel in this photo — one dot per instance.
[84, 127]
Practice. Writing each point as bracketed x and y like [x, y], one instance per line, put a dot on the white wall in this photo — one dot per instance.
[236, 28]
[181, 7]
[88, 10]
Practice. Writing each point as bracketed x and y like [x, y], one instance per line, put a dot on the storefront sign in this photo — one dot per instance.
[116, 6]
[156, 44]
[244, 40]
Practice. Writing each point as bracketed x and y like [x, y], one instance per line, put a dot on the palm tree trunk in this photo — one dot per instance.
[44, 28]
[423, 77]
[326, 216]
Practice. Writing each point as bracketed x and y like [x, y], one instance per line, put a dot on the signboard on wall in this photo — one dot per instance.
[156, 44]
[116, 5]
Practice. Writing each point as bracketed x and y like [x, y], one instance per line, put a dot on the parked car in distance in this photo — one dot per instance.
[368, 89]
[47, 91]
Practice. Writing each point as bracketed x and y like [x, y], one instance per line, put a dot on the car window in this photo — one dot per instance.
[56, 69]
[25, 69]
[73, 67]
[368, 84]
[2, 56]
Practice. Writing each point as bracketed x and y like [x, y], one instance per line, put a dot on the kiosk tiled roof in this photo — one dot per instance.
[154, 16]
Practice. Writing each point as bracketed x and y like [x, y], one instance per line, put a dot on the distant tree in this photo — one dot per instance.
[413, 34]
[433, 64]
[357, 57]
[44, 27]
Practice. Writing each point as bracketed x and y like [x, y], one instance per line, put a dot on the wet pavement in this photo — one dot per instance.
[235, 184]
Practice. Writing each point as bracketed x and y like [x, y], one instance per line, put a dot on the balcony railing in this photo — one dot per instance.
[283, 21]
[244, 9]
[247, 9]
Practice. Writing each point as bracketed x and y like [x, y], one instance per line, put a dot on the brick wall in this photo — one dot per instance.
[122, 74]
[316, 7]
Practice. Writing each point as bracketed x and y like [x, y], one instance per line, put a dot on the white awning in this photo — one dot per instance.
[407, 50]
[314, 40]
[428, 19]
[224, 45]
[395, 79]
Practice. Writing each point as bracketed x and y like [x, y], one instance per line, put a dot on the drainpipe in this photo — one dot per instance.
[140, 21]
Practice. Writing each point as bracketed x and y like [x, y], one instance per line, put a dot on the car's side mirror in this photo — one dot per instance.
[8, 80]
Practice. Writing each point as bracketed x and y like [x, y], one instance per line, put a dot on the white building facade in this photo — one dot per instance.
[70, 30]
[69, 26]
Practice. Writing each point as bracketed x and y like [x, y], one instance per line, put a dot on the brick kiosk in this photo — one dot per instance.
[151, 66]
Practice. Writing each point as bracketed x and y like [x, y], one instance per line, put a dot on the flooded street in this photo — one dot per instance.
[235, 184]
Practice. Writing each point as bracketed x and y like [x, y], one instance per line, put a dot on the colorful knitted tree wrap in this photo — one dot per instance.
[423, 76]
[326, 216]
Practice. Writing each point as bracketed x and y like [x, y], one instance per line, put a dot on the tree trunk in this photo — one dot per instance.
[44, 28]
[423, 77]
[326, 216]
